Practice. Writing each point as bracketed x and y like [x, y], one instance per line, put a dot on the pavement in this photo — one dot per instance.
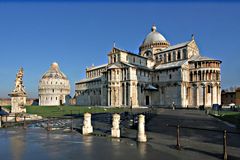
[196, 144]
[37, 143]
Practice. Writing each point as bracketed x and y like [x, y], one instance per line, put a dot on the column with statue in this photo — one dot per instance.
[18, 95]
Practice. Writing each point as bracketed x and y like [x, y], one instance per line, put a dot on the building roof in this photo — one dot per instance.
[54, 72]
[150, 87]
[136, 66]
[202, 58]
[89, 79]
[153, 37]
[131, 53]
[175, 64]
[180, 45]
[97, 67]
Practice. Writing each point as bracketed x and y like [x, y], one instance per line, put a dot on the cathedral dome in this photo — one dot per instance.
[153, 37]
[153, 42]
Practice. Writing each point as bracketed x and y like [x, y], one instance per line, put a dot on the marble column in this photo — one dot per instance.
[204, 94]
[211, 95]
[197, 97]
[109, 96]
[125, 95]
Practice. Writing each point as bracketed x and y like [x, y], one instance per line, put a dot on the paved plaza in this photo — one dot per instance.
[18, 144]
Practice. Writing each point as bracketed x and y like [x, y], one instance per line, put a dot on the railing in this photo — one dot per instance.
[225, 132]
[19, 120]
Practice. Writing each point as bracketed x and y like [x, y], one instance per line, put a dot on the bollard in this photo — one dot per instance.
[115, 131]
[48, 127]
[0, 121]
[178, 138]
[225, 145]
[87, 126]
[141, 136]
[71, 123]
[24, 122]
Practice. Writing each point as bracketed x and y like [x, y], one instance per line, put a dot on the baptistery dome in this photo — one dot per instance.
[53, 87]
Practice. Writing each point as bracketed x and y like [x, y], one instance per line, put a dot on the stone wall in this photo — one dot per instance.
[238, 96]
[7, 101]
[231, 97]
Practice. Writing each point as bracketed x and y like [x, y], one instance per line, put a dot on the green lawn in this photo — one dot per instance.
[230, 116]
[59, 111]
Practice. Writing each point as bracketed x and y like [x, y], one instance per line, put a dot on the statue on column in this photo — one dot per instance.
[18, 95]
[19, 87]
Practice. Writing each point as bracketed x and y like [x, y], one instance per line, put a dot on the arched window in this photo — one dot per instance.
[174, 56]
[178, 55]
[160, 57]
[148, 53]
[195, 64]
[169, 57]
[209, 89]
[170, 76]
[165, 58]
[184, 53]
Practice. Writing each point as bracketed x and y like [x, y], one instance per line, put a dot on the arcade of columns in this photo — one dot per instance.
[204, 84]
[121, 90]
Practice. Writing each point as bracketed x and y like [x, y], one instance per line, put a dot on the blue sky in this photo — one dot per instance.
[76, 35]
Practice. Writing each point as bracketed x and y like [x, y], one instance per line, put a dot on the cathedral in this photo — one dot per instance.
[160, 75]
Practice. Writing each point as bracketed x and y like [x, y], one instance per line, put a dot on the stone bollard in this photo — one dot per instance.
[0, 121]
[141, 136]
[87, 126]
[115, 131]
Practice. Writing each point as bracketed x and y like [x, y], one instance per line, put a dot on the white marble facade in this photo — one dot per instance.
[160, 75]
[53, 87]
